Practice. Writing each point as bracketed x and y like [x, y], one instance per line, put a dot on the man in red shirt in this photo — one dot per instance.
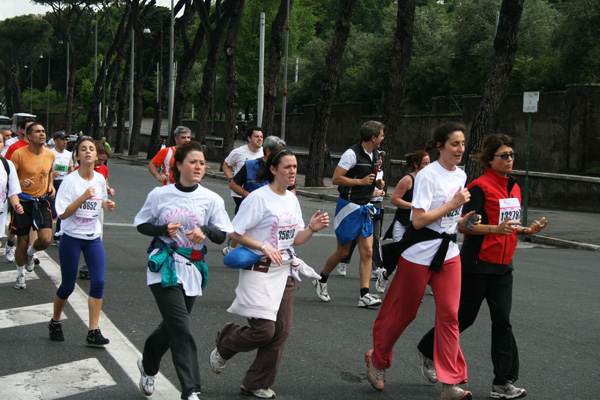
[166, 157]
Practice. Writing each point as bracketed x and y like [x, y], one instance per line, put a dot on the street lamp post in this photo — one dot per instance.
[31, 83]
[171, 74]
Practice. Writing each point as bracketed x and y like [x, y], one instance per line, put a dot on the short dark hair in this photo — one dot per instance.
[370, 129]
[30, 127]
[182, 152]
[491, 144]
[251, 130]
[414, 158]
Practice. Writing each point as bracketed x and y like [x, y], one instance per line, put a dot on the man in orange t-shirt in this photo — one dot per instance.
[166, 157]
[34, 168]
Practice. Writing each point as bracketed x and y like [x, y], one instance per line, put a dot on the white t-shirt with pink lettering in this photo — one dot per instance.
[434, 187]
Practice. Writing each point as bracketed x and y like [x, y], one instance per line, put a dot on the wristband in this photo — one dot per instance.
[311, 228]
[262, 247]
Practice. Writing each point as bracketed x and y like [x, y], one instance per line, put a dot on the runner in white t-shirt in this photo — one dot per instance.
[63, 165]
[179, 217]
[78, 202]
[236, 159]
[439, 195]
[269, 223]
[10, 187]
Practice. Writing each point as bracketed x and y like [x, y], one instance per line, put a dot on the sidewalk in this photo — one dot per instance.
[566, 229]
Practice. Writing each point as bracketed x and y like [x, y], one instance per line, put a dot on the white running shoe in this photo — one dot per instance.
[375, 273]
[428, 368]
[226, 250]
[507, 391]
[341, 268]
[194, 396]
[381, 282]
[217, 363]
[375, 376]
[10, 253]
[369, 300]
[455, 392]
[21, 284]
[30, 264]
[322, 292]
[267, 393]
[146, 381]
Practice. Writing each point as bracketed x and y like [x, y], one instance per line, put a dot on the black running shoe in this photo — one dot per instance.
[95, 339]
[55, 330]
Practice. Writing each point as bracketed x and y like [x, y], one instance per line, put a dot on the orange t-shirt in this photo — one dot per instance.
[34, 167]
[166, 159]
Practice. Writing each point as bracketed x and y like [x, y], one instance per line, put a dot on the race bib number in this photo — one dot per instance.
[62, 168]
[285, 235]
[510, 209]
[89, 209]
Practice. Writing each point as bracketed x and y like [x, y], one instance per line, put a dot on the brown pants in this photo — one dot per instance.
[267, 336]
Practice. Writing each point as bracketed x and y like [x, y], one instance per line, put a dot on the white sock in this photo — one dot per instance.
[21, 270]
[30, 251]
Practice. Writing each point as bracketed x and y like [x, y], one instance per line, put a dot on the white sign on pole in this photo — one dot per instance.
[530, 101]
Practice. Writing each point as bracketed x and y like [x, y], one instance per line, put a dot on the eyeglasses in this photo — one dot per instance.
[506, 155]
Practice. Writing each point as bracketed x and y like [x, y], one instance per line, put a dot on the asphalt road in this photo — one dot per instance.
[555, 316]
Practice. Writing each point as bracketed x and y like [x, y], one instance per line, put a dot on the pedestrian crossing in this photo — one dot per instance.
[72, 378]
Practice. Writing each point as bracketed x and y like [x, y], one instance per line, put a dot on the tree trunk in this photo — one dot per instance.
[154, 145]
[496, 85]
[138, 91]
[114, 74]
[213, 37]
[314, 170]
[122, 106]
[275, 54]
[394, 99]
[231, 93]
[185, 64]
[19, 105]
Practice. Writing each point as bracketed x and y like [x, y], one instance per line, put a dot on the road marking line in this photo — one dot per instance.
[26, 315]
[130, 225]
[58, 381]
[120, 348]
[11, 276]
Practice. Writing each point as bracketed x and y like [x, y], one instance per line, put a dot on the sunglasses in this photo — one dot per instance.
[505, 156]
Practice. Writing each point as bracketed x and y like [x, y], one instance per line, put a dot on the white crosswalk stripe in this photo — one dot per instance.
[11, 276]
[58, 381]
[78, 377]
[29, 315]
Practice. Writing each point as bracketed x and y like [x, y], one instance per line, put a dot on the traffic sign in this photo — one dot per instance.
[530, 101]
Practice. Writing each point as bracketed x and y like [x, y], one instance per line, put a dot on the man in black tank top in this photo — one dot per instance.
[355, 177]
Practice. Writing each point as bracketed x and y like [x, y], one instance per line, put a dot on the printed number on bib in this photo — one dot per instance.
[89, 209]
[61, 168]
[510, 209]
[285, 237]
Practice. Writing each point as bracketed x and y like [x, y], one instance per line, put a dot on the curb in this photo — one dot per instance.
[566, 244]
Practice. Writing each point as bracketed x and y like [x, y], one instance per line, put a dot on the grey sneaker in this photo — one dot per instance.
[10, 253]
[30, 264]
[428, 368]
[146, 381]
[322, 292]
[267, 393]
[507, 391]
[381, 282]
[369, 300]
[455, 392]
[375, 376]
[226, 250]
[21, 284]
[341, 268]
[217, 363]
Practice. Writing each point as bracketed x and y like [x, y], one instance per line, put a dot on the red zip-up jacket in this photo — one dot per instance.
[486, 192]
